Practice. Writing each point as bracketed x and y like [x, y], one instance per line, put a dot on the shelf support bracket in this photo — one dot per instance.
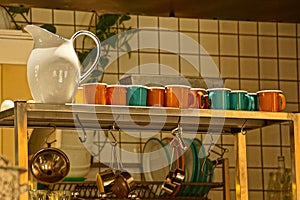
[241, 178]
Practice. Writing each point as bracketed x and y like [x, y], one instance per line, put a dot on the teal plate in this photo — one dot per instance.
[201, 170]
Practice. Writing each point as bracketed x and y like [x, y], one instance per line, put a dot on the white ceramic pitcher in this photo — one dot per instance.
[53, 68]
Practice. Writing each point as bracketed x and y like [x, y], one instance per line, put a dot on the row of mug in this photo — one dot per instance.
[181, 96]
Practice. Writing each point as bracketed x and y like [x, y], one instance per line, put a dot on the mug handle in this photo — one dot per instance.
[250, 102]
[283, 102]
[201, 100]
[193, 96]
[210, 102]
[98, 48]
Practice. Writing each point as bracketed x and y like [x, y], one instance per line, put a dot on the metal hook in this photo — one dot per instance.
[177, 132]
[47, 137]
[84, 136]
[242, 129]
[114, 155]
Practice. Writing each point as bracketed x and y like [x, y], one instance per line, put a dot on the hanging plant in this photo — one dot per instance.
[107, 27]
[14, 11]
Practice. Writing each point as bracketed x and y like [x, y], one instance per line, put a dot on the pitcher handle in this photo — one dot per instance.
[98, 48]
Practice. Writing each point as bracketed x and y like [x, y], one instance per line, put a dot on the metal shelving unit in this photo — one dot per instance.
[26, 115]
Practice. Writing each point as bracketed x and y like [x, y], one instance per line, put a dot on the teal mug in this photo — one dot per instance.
[255, 100]
[240, 100]
[219, 98]
[136, 95]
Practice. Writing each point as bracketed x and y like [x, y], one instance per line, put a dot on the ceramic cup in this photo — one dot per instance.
[94, 93]
[79, 97]
[240, 100]
[271, 100]
[116, 95]
[136, 95]
[123, 184]
[156, 96]
[219, 98]
[200, 97]
[255, 100]
[179, 96]
[105, 181]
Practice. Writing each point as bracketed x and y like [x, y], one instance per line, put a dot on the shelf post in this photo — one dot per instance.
[241, 177]
[295, 152]
[21, 145]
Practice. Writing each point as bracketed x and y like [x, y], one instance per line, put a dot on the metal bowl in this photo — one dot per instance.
[50, 165]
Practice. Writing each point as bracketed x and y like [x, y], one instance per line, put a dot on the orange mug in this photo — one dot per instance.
[94, 93]
[179, 96]
[200, 98]
[156, 96]
[271, 100]
[116, 95]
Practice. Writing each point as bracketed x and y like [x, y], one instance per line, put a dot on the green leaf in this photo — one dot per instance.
[49, 27]
[19, 10]
[124, 18]
[104, 61]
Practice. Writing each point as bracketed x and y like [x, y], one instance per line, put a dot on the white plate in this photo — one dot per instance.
[156, 159]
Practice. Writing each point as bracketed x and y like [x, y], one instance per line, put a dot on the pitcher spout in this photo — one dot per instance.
[43, 38]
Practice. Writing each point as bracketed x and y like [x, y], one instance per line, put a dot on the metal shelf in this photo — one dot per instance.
[26, 115]
[146, 118]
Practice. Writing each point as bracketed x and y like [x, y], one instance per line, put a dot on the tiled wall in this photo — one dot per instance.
[249, 55]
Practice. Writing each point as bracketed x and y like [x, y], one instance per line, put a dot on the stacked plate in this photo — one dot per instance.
[157, 159]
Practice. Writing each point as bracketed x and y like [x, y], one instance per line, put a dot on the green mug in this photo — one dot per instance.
[240, 100]
[219, 98]
[136, 95]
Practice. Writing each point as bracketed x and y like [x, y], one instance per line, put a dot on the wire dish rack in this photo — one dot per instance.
[143, 190]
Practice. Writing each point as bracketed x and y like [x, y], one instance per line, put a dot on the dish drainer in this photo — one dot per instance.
[27, 115]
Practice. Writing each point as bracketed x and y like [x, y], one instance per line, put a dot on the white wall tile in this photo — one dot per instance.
[287, 47]
[267, 28]
[249, 68]
[248, 45]
[227, 26]
[147, 21]
[207, 25]
[84, 18]
[169, 64]
[41, 15]
[188, 24]
[286, 29]
[267, 46]
[168, 23]
[288, 69]
[271, 135]
[250, 85]
[229, 67]
[268, 68]
[64, 17]
[190, 65]
[254, 156]
[255, 179]
[210, 43]
[270, 156]
[229, 45]
[290, 90]
[247, 27]
[129, 65]
[268, 85]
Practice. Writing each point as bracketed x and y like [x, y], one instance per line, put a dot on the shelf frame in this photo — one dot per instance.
[29, 115]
